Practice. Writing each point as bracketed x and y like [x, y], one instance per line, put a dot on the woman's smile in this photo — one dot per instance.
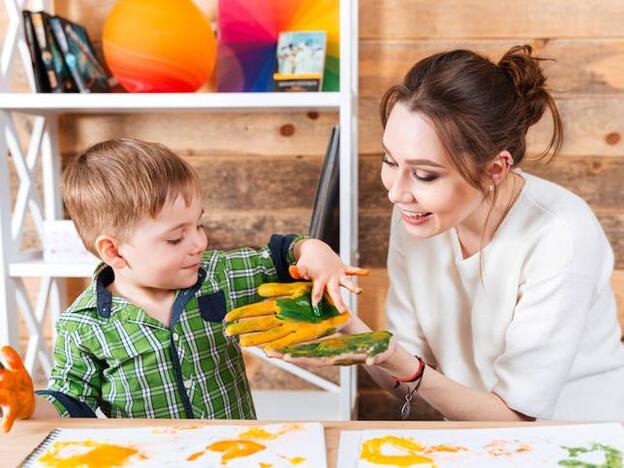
[415, 217]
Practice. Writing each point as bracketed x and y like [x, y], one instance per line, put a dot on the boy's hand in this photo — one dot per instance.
[17, 394]
[286, 319]
[319, 263]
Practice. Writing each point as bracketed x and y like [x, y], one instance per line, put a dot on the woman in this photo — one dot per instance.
[498, 279]
[500, 295]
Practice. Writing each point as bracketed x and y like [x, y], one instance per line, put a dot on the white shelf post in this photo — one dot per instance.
[8, 306]
[348, 174]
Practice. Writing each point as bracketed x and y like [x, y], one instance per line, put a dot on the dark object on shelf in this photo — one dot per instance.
[325, 223]
[59, 78]
[79, 54]
[42, 84]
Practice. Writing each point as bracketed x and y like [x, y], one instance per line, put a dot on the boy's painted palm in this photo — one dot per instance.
[287, 318]
[17, 394]
[343, 350]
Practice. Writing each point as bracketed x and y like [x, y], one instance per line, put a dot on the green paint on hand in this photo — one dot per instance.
[613, 456]
[300, 309]
[371, 344]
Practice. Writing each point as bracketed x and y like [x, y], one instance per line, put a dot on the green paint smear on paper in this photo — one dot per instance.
[372, 343]
[613, 457]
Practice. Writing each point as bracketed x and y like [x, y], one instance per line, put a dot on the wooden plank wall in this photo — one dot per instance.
[260, 169]
[586, 76]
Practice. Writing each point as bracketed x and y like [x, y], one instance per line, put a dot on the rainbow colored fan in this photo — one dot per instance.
[248, 34]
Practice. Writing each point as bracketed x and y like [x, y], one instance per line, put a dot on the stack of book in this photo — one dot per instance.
[63, 58]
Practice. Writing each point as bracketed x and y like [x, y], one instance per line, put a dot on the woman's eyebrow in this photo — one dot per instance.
[416, 161]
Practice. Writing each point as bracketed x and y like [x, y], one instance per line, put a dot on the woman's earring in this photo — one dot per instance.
[491, 186]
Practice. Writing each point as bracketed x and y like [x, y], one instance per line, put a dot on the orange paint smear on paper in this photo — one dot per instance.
[413, 453]
[100, 455]
[235, 449]
[507, 448]
[195, 456]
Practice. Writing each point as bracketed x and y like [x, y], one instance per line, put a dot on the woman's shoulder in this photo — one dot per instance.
[560, 224]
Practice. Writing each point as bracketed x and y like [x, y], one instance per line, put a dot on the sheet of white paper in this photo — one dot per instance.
[513, 447]
[277, 445]
[349, 449]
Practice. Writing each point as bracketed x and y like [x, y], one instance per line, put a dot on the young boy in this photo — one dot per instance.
[145, 339]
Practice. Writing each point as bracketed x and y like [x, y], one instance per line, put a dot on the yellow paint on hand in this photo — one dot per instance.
[100, 455]
[372, 451]
[235, 449]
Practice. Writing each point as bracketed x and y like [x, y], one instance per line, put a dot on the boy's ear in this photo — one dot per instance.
[106, 247]
[499, 167]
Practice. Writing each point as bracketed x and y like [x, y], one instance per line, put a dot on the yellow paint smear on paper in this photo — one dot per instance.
[257, 433]
[235, 449]
[414, 453]
[260, 433]
[100, 455]
[174, 429]
[297, 460]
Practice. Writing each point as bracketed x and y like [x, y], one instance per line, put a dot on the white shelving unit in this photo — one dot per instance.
[337, 401]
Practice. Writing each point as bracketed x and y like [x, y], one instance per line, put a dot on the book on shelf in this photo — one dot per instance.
[79, 54]
[42, 84]
[62, 56]
[58, 75]
[325, 222]
[300, 61]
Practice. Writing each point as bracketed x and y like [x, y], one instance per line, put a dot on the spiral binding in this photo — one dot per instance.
[41, 448]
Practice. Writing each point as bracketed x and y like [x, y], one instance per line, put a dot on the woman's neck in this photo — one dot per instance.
[478, 229]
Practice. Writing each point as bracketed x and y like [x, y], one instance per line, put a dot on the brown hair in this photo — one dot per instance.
[113, 184]
[478, 108]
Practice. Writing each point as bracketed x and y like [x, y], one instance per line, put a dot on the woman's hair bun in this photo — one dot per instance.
[528, 79]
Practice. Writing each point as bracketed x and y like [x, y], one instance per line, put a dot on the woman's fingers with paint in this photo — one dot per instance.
[17, 394]
[355, 271]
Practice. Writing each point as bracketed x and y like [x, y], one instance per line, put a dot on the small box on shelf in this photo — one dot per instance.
[62, 244]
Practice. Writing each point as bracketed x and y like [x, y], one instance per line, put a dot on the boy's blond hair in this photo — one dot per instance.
[115, 183]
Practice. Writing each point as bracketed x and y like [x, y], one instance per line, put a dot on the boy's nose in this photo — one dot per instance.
[200, 241]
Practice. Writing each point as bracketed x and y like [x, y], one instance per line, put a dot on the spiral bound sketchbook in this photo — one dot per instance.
[275, 445]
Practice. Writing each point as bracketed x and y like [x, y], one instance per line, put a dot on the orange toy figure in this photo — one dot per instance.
[17, 394]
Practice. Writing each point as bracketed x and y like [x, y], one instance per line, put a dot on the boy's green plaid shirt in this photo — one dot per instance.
[110, 354]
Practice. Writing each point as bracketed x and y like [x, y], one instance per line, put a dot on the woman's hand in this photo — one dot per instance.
[364, 354]
[317, 262]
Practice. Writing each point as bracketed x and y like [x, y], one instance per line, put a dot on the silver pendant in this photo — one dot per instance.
[405, 411]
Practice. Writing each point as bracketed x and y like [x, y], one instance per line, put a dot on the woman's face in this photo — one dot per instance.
[428, 190]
